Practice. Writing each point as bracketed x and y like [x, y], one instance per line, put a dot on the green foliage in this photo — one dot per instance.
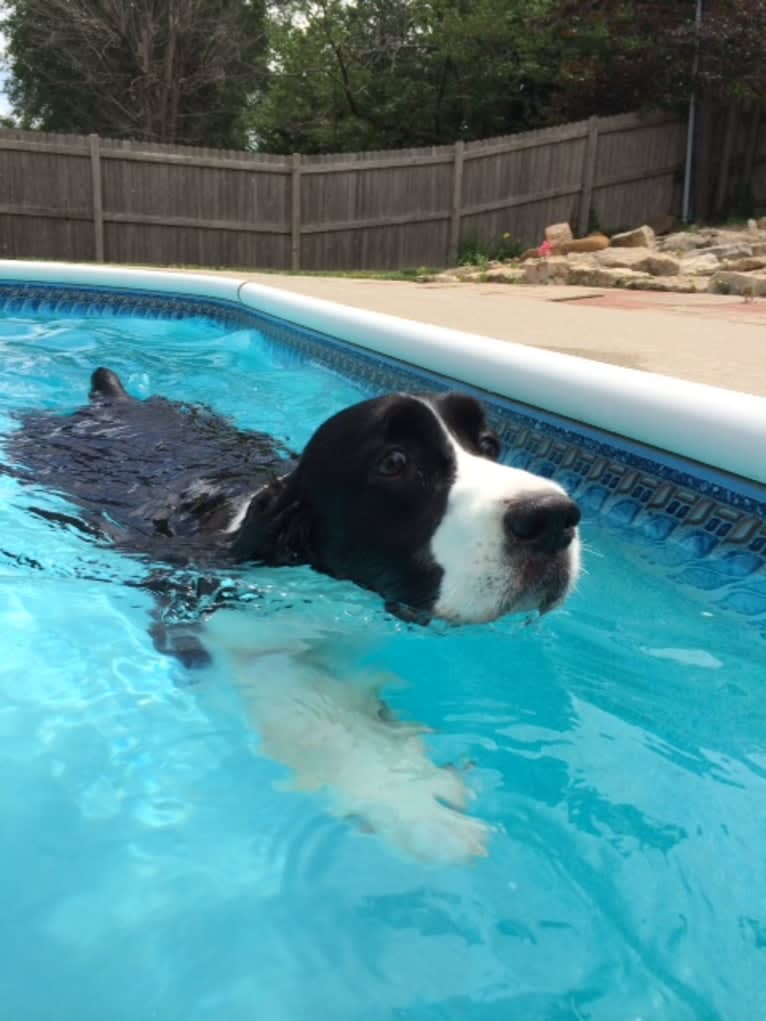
[475, 251]
[351, 75]
[621, 56]
[594, 222]
[377, 74]
[172, 71]
[634, 54]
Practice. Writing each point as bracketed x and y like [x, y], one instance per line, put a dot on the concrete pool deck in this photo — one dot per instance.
[705, 338]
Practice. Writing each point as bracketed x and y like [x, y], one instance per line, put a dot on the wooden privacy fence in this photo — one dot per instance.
[81, 197]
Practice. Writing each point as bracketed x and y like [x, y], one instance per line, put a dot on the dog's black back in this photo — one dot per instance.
[148, 470]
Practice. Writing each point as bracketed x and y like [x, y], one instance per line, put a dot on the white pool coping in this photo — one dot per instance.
[723, 429]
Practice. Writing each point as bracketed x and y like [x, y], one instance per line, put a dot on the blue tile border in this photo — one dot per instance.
[708, 529]
[99, 301]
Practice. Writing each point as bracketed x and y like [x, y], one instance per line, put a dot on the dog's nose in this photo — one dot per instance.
[546, 521]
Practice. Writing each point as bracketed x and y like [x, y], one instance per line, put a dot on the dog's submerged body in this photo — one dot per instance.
[400, 494]
[156, 476]
[403, 495]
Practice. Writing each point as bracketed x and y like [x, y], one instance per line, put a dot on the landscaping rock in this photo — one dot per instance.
[504, 275]
[593, 243]
[746, 265]
[644, 260]
[761, 223]
[734, 251]
[699, 265]
[663, 224]
[558, 232]
[675, 284]
[719, 260]
[684, 241]
[661, 265]
[584, 275]
[642, 237]
[457, 273]
[553, 270]
[627, 258]
[727, 281]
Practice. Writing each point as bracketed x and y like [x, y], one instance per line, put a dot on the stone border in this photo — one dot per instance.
[708, 260]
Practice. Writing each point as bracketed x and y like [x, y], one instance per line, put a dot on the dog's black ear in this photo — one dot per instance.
[107, 384]
[277, 527]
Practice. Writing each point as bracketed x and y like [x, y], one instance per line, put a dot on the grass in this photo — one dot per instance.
[412, 274]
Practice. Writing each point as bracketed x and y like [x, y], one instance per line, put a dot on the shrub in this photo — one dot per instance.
[475, 251]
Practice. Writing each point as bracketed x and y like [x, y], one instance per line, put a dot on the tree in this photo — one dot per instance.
[159, 70]
[732, 75]
[620, 56]
[623, 55]
[388, 73]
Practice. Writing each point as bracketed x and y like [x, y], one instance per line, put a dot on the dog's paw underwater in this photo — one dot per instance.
[326, 723]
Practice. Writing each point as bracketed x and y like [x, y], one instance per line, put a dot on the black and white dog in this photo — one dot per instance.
[403, 495]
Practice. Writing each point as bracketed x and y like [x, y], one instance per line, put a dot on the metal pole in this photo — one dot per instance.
[692, 115]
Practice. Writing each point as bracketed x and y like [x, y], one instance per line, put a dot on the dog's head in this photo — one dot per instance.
[404, 495]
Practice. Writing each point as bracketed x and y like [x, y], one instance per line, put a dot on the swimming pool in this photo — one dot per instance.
[153, 866]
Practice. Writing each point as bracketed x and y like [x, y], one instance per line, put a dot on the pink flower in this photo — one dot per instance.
[545, 249]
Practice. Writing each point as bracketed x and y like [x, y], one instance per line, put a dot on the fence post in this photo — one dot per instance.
[457, 204]
[588, 176]
[98, 208]
[295, 213]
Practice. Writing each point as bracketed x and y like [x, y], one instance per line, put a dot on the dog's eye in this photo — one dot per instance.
[489, 446]
[392, 463]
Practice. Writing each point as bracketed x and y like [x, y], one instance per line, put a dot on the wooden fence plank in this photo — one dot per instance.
[193, 221]
[369, 222]
[250, 166]
[520, 146]
[457, 204]
[378, 164]
[45, 212]
[526, 199]
[52, 149]
[295, 213]
[98, 209]
[631, 177]
[163, 204]
[589, 170]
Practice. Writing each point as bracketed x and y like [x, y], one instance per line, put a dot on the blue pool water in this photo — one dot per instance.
[154, 867]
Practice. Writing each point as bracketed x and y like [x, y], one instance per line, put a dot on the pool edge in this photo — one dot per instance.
[723, 429]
